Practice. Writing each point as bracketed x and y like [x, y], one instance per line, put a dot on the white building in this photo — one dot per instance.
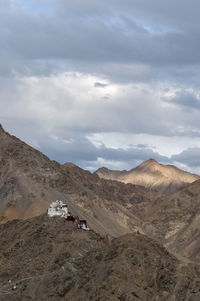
[58, 208]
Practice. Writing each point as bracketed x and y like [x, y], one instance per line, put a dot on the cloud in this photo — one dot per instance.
[100, 85]
[186, 99]
[142, 146]
[189, 157]
[83, 152]
[70, 70]
[94, 35]
[51, 107]
[71, 101]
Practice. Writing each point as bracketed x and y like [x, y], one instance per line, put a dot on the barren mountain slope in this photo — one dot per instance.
[29, 182]
[151, 174]
[48, 259]
[176, 220]
[28, 179]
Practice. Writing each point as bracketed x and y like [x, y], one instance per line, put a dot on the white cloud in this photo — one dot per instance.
[68, 117]
[100, 77]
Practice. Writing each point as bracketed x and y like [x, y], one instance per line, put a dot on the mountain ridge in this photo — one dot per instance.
[30, 181]
[151, 174]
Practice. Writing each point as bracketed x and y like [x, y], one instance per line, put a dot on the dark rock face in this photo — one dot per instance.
[47, 260]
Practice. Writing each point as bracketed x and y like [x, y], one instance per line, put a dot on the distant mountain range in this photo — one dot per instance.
[29, 182]
[144, 245]
[151, 174]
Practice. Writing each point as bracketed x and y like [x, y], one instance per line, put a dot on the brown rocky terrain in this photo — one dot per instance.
[29, 182]
[175, 219]
[151, 174]
[49, 259]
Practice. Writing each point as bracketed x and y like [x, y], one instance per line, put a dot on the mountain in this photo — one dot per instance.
[48, 259]
[28, 179]
[176, 221]
[151, 174]
[29, 182]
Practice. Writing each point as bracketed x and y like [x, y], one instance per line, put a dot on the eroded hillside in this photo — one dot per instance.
[49, 259]
[29, 182]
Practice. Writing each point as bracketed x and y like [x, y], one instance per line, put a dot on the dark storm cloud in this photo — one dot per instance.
[82, 152]
[153, 31]
[189, 157]
[172, 12]
[130, 155]
[186, 99]
[81, 33]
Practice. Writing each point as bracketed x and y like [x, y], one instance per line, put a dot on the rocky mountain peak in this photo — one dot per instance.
[151, 174]
[70, 165]
[150, 162]
[102, 169]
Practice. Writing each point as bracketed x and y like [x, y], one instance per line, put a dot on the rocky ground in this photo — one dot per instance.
[49, 259]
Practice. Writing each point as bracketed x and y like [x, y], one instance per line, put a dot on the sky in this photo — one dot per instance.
[103, 83]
